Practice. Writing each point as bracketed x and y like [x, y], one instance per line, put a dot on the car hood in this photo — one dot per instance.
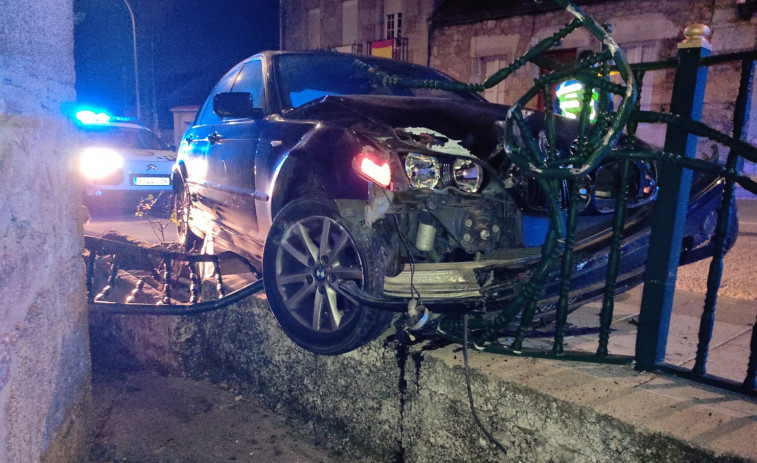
[147, 155]
[470, 123]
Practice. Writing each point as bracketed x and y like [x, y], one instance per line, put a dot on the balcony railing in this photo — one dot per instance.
[354, 48]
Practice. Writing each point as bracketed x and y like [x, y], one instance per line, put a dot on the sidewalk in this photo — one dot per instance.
[735, 312]
[729, 347]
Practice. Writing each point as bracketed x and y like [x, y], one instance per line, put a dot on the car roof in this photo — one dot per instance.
[125, 125]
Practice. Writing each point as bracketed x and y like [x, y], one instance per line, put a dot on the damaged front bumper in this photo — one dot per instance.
[487, 285]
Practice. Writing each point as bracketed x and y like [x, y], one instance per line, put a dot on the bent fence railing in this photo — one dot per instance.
[538, 156]
[164, 282]
[677, 161]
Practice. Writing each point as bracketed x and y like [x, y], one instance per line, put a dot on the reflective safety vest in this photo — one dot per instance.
[570, 96]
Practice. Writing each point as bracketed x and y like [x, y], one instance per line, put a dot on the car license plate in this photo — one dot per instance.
[152, 181]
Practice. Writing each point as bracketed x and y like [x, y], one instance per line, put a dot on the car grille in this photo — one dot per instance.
[114, 178]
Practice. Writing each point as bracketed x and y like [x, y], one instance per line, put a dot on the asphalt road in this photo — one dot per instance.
[152, 230]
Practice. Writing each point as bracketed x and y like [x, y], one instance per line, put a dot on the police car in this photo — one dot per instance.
[121, 162]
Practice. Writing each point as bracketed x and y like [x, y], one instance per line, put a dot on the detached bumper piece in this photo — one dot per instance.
[443, 287]
[139, 280]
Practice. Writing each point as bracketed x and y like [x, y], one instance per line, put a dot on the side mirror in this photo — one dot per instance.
[236, 105]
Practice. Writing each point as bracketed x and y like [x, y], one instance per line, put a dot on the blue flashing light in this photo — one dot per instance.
[87, 116]
[95, 117]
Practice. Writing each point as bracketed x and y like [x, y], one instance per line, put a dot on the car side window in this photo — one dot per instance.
[207, 116]
[251, 80]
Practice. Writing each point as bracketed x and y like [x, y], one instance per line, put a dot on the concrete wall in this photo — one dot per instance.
[44, 348]
[382, 404]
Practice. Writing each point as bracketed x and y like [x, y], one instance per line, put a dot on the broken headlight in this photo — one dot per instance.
[424, 171]
[437, 172]
[467, 174]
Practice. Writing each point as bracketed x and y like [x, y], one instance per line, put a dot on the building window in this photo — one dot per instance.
[314, 29]
[349, 22]
[393, 25]
[491, 65]
[642, 52]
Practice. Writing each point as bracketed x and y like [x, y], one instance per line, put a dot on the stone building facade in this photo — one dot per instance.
[358, 25]
[45, 399]
[470, 48]
[470, 40]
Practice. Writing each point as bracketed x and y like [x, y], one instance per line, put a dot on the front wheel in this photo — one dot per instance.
[182, 205]
[309, 251]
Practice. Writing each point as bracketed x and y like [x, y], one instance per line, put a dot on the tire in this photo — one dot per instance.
[300, 269]
[182, 204]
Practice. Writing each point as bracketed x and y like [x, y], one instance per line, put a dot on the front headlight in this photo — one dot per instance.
[98, 163]
[422, 170]
[467, 174]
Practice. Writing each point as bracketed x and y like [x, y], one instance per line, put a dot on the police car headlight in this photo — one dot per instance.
[98, 163]
[468, 175]
[422, 170]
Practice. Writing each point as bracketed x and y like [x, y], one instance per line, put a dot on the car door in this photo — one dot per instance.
[231, 164]
[194, 151]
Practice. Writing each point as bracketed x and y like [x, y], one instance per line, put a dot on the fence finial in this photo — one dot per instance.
[696, 37]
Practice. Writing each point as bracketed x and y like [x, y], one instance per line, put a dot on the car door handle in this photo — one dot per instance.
[189, 140]
[214, 138]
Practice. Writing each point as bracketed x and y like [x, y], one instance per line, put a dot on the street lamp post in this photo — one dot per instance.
[136, 68]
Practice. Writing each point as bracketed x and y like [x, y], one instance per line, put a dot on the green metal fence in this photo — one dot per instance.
[678, 161]
[598, 136]
[686, 102]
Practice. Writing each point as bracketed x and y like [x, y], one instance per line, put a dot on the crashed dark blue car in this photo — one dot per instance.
[359, 198]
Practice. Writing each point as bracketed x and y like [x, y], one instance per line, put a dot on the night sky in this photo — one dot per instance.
[183, 48]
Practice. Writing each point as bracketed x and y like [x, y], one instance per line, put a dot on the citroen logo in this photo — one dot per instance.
[152, 167]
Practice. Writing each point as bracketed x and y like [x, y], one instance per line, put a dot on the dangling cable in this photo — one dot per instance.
[413, 290]
[480, 425]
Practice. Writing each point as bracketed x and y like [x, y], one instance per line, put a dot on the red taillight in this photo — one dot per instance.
[376, 171]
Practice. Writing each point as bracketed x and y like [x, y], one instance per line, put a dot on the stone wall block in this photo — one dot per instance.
[385, 404]
[44, 349]
[740, 36]
[43, 333]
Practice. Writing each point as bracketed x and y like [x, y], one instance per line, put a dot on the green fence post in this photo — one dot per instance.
[672, 203]
[734, 163]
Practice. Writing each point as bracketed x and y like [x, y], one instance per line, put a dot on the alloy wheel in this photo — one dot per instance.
[315, 255]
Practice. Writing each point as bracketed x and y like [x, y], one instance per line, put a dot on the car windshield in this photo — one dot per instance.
[305, 77]
[114, 136]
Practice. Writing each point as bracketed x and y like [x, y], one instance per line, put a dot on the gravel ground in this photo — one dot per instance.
[143, 417]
